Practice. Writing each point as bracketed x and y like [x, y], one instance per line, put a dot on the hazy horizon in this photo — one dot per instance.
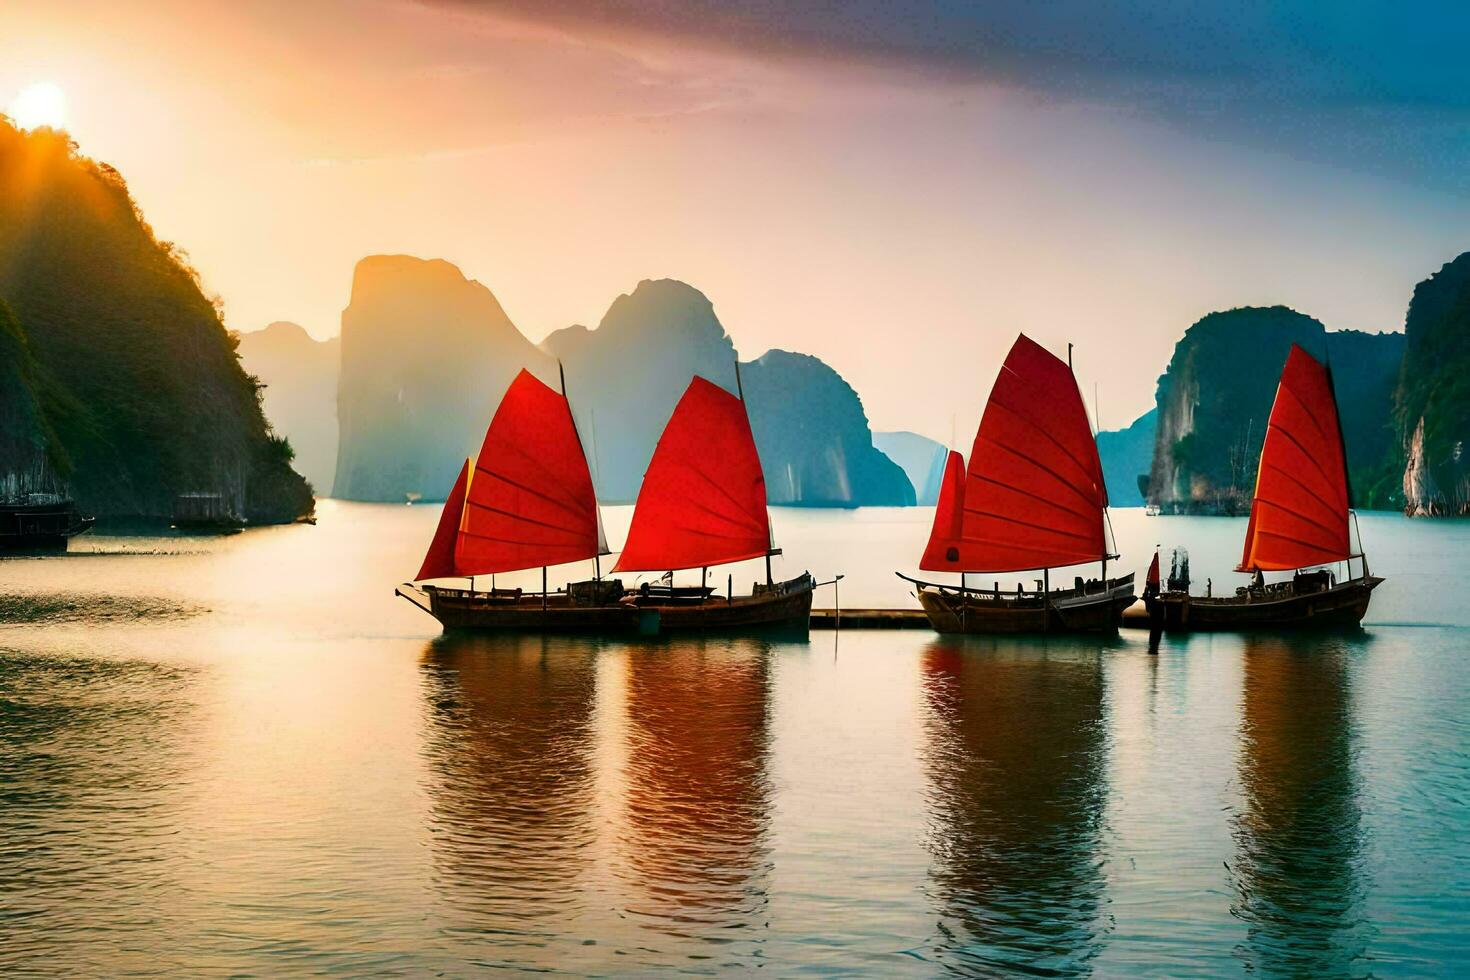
[898, 196]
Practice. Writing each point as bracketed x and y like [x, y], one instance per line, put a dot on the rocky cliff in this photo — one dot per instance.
[131, 383]
[815, 445]
[426, 355]
[27, 463]
[921, 458]
[300, 394]
[1431, 400]
[1127, 456]
[626, 376]
[1215, 398]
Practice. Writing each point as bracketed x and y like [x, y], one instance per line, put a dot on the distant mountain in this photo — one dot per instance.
[815, 445]
[1127, 454]
[426, 356]
[625, 377]
[116, 369]
[922, 460]
[300, 394]
[1214, 401]
[1428, 472]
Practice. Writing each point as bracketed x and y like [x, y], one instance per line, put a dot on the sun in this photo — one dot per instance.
[39, 104]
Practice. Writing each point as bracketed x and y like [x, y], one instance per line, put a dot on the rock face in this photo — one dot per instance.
[25, 439]
[1215, 398]
[922, 460]
[300, 394]
[130, 389]
[426, 355]
[815, 445]
[1127, 456]
[1432, 397]
[625, 377]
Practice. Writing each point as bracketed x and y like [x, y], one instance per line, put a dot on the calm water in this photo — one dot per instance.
[243, 756]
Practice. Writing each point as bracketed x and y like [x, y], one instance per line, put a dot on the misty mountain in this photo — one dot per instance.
[299, 396]
[1127, 454]
[922, 460]
[815, 445]
[625, 377]
[426, 356]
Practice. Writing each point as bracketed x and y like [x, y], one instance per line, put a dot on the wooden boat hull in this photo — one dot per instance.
[1342, 606]
[783, 607]
[1070, 611]
[45, 526]
[461, 609]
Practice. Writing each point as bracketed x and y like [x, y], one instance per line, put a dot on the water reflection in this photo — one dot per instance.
[1015, 749]
[94, 769]
[697, 796]
[509, 750]
[1298, 865]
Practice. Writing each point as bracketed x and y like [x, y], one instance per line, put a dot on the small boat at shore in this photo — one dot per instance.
[525, 502]
[1032, 499]
[40, 522]
[703, 504]
[1299, 522]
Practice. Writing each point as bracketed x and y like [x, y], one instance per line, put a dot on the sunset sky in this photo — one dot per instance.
[897, 193]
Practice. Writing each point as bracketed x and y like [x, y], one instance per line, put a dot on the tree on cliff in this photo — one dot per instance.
[139, 390]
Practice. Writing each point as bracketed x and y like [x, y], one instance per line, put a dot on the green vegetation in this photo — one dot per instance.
[1215, 400]
[123, 372]
[1434, 384]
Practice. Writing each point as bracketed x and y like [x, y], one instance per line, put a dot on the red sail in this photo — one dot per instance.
[703, 499]
[1034, 495]
[943, 553]
[1299, 516]
[439, 562]
[1153, 572]
[530, 501]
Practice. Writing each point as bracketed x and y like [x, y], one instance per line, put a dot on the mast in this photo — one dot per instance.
[771, 542]
[596, 505]
[1094, 427]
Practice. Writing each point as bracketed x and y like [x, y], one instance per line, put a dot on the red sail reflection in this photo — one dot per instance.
[1299, 865]
[1015, 754]
[509, 754]
[697, 794]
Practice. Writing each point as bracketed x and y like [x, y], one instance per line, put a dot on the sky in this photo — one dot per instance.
[896, 188]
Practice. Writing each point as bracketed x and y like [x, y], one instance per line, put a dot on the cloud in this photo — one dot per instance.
[1382, 88]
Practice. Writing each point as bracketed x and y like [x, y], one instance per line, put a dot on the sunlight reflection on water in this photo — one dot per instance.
[246, 756]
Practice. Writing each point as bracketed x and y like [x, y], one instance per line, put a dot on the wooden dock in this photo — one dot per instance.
[870, 619]
[1134, 617]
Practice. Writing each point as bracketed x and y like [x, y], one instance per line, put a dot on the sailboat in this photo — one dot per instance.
[1033, 498]
[525, 502]
[703, 504]
[1299, 521]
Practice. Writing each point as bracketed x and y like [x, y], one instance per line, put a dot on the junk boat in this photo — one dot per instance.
[525, 502]
[40, 521]
[1032, 499]
[703, 504]
[1298, 523]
